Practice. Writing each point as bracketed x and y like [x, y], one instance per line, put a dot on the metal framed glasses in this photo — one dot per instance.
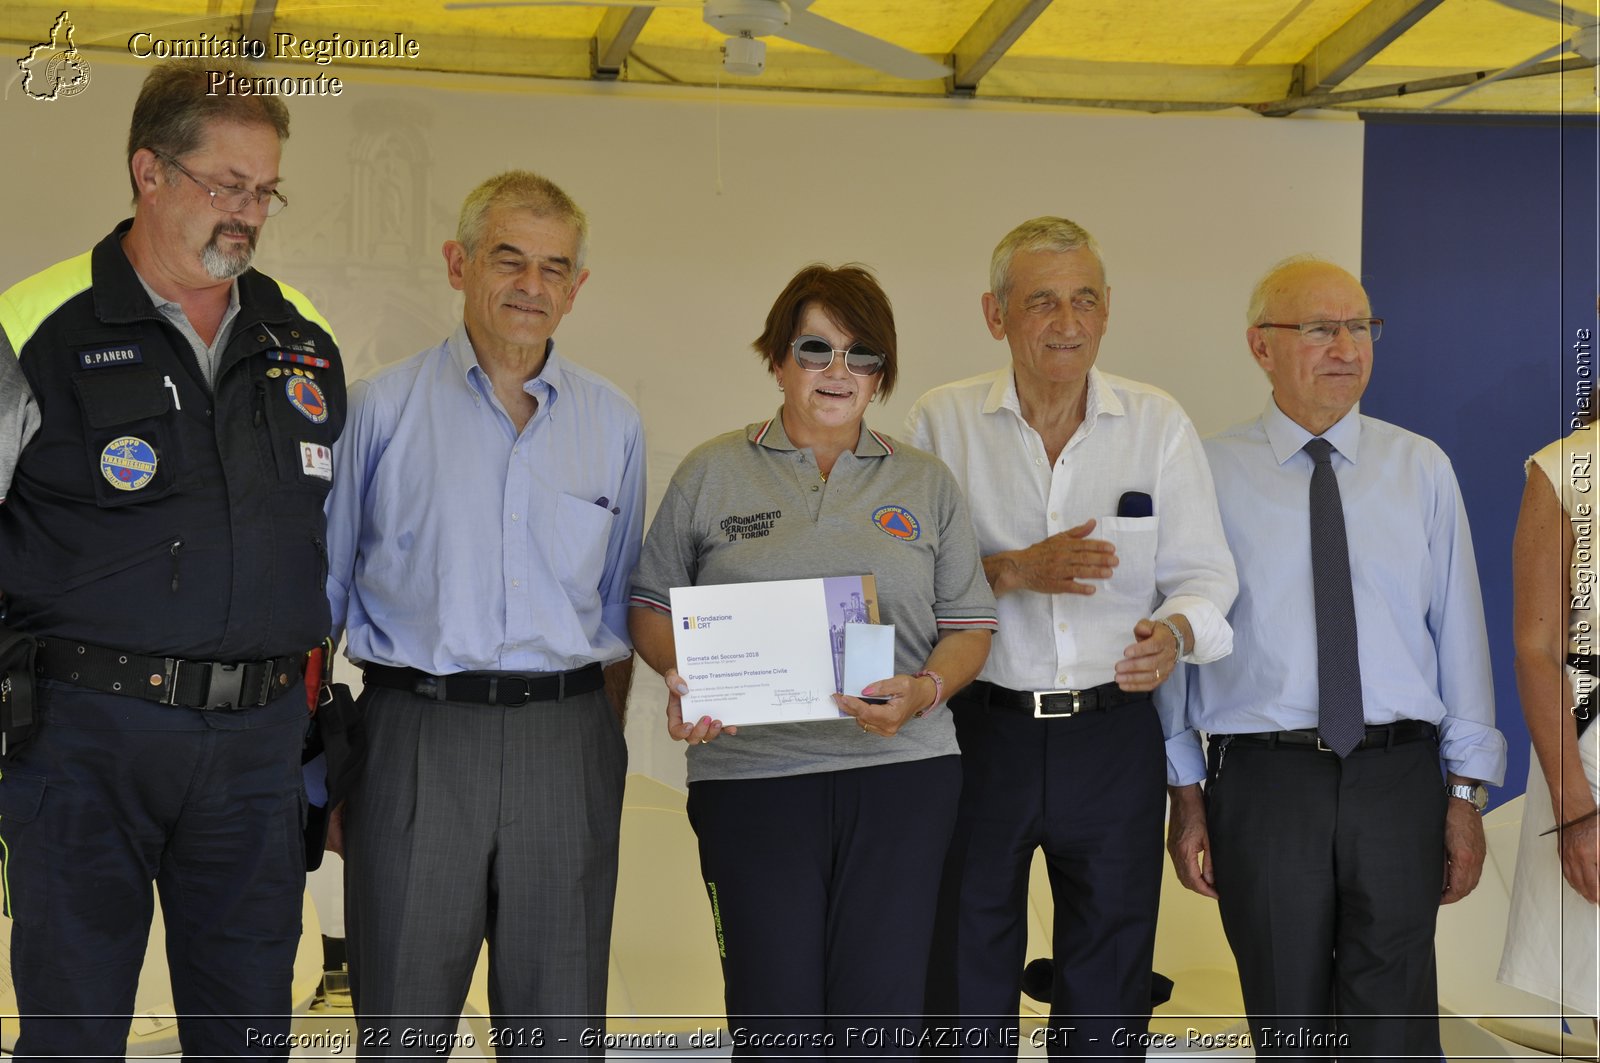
[815, 354]
[1322, 333]
[230, 200]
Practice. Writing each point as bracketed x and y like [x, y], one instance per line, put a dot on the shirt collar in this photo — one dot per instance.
[118, 299]
[1099, 398]
[1103, 399]
[169, 306]
[1287, 438]
[1003, 394]
[547, 386]
[770, 434]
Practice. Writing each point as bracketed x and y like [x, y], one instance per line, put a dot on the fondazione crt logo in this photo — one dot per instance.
[699, 623]
[54, 69]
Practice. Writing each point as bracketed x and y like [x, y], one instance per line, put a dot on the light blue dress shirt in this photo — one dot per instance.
[1419, 612]
[457, 544]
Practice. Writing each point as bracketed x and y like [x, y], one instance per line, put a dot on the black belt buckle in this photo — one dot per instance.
[518, 696]
[225, 687]
[1041, 713]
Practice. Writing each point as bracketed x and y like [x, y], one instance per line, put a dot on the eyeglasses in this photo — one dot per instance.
[1322, 333]
[230, 200]
[815, 354]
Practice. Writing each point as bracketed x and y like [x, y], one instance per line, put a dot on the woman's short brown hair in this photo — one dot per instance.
[851, 296]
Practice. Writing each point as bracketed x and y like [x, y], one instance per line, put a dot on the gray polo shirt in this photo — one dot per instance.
[749, 506]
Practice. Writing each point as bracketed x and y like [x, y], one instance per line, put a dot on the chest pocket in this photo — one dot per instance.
[297, 415]
[131, 440]
[583, 531]
[1134, 579]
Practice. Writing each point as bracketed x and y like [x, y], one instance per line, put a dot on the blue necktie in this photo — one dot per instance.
[1341, 723]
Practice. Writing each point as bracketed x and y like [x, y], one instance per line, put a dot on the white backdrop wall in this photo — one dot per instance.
[702, 205]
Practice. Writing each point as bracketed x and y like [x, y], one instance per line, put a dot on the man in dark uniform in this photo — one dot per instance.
[166, 419]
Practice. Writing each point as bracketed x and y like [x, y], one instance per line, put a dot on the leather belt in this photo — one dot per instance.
[1052, 704]
[177, 681]
[1377, 737]
[509, 689]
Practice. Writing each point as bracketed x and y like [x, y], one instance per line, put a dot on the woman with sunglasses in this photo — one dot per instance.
[822, 843]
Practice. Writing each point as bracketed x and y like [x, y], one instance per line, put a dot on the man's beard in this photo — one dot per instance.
[226, 265]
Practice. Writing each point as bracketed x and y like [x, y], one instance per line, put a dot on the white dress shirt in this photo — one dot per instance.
[1133, 438]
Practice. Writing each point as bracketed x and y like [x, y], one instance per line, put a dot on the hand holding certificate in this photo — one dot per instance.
[776, 652]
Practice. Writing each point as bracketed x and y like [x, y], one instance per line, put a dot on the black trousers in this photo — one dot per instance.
[1091, 792]
[111, 794]
[822, 890]
[1329, 874]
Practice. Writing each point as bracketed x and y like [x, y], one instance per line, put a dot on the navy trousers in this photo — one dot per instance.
[112, 794]
[822, 890]
[1091, 792]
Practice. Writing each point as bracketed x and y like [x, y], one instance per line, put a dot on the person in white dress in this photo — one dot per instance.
[1553, 933]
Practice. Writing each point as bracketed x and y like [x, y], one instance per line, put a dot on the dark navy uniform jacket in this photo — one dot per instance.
[149, 512]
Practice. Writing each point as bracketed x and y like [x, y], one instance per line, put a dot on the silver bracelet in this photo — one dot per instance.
[1177, 635]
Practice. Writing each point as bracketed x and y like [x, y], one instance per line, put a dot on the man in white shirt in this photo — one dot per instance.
[1096, 517]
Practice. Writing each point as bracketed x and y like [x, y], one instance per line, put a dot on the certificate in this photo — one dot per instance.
[769, 652]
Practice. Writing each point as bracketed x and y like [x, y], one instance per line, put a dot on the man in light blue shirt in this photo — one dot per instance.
[485, 522]
[1329, 869]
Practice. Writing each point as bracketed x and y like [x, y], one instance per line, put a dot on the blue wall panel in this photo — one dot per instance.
[1479, 245]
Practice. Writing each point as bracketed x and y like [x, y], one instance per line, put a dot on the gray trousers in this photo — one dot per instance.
[474, 823]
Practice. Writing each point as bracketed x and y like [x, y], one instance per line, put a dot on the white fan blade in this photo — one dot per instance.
[1549, 9]
[858, 47]
[1548, 53]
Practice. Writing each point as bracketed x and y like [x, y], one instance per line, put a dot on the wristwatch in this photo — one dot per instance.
[1477, 794]
[1177, 635]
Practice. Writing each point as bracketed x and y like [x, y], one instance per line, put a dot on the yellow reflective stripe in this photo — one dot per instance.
[299, 301]
[27, 304]
[5, 875]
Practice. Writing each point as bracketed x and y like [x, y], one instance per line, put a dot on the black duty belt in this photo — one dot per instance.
[209, 685]
[489, 688]
[1051, 704]
[1377, 737]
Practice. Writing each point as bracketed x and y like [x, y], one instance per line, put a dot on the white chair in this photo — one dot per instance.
[1470, 935]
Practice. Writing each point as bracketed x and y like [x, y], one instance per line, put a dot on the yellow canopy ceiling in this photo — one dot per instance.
[1276, 56]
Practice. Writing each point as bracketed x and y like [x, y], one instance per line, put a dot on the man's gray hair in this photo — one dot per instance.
[520, 190]
[1269, 283]
[1038, 234]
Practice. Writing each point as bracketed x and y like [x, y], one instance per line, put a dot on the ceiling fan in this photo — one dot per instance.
[745, 22]
[1585, 40]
